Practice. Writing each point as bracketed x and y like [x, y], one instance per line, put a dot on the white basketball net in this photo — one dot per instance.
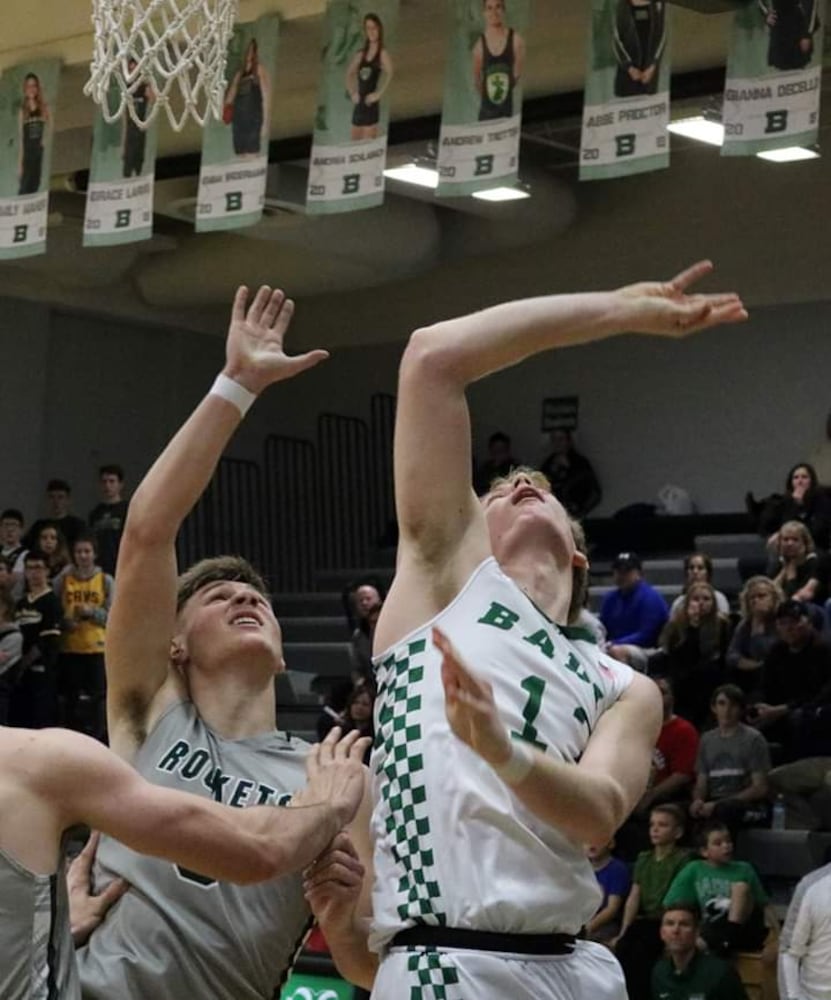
[177, 47]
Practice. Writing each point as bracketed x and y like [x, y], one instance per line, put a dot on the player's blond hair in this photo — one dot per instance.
[579, 574]
[214, 570]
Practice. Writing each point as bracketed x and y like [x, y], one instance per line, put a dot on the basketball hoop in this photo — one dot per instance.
[176, 48]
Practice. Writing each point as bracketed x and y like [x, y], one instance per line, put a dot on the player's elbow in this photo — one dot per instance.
[610, 810]
[430, 355]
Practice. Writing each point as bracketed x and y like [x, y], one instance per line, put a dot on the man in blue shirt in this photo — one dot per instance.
[633, 614]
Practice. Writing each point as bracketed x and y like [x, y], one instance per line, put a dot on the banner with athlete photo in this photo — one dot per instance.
[234, 168]
[626, 109]
[774, 69]
[349, 151]
[119, 205]
[28, 97]
[482, 107]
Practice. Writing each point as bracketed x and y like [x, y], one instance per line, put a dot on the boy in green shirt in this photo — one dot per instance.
[685, 973]
[638, 945]
[727, 892]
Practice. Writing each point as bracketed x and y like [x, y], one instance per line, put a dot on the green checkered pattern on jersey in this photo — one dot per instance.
[399, 737]
[435, 972]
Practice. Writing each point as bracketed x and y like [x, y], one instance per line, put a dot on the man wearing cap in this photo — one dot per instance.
[794, 674]
[633, 614]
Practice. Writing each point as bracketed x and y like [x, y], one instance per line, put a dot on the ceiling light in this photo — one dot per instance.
[502, 194]
[412, 173]
[790, 154]
[700, 128]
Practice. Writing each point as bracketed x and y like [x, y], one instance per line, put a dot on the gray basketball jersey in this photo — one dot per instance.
[37, 959]
[176, 935]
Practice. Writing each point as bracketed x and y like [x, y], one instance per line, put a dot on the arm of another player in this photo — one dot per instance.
[143, 614]
[90, 785]
[438, 513]
[338, 887]
[587, 801]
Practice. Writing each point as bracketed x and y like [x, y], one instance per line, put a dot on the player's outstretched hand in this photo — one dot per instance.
[668, 309]
[332, 885]
[470, 706]
[254, 351]
[86, 911]
[335, 774]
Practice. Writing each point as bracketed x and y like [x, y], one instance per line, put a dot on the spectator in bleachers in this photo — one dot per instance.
[11, 650]
[106, 519]
[694, 643]
[673, 761]
[755, 634]
[573, 480]
[805, 944]
[732, 766]
[358, 713]
[795, 672]
[86, 594]
[52, 544]
[58, 502]
[698, 568]
[13, 550]
[613, 878]
[38, 614]
[685, 973]
[638, 946]
[633, 614]
[803, 572]
[335, 694]
[804, 501]
[364, 601]
[671, 778]
[499, 462]
[733, 904]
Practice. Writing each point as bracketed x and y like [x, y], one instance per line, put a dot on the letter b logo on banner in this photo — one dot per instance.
[625, 144]
[776, 121]
[21, 234]
[351, 183]
[484, 165]
[122, 218]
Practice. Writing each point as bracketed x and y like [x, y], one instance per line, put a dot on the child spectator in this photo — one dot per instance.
[733, 904]
[13, 550]
[52, 544]
[803, 572]
[58, 503]
[613, 878]
[732, 766]
[38, 614]
[638, 946]
[106, 519]
[685, 973]
[85, 592]
[358, 714]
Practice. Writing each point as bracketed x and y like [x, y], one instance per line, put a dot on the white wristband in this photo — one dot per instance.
[518, 766]
[233, 392]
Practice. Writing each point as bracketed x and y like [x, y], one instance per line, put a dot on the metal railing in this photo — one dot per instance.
[345, 482]
[230, 517]
[291, 488]
[382, 427]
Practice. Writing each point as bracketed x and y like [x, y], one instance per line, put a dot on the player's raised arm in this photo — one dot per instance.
[142, 619]
[437, 511]
[586, 801]
[89, 784]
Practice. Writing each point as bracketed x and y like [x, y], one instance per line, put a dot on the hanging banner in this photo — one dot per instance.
[349, 151]
[482, 107]
[234, 167]
[119, 205]
[28, 96]
[774, 67]
[626, 109]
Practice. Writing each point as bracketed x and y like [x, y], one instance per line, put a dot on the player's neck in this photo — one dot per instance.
[545, 582]
[236, 707]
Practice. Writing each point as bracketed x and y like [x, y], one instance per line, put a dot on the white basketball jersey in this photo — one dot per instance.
[453, 846]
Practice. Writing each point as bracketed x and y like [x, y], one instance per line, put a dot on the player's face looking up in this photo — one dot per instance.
[522, 509]
[228, 619]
